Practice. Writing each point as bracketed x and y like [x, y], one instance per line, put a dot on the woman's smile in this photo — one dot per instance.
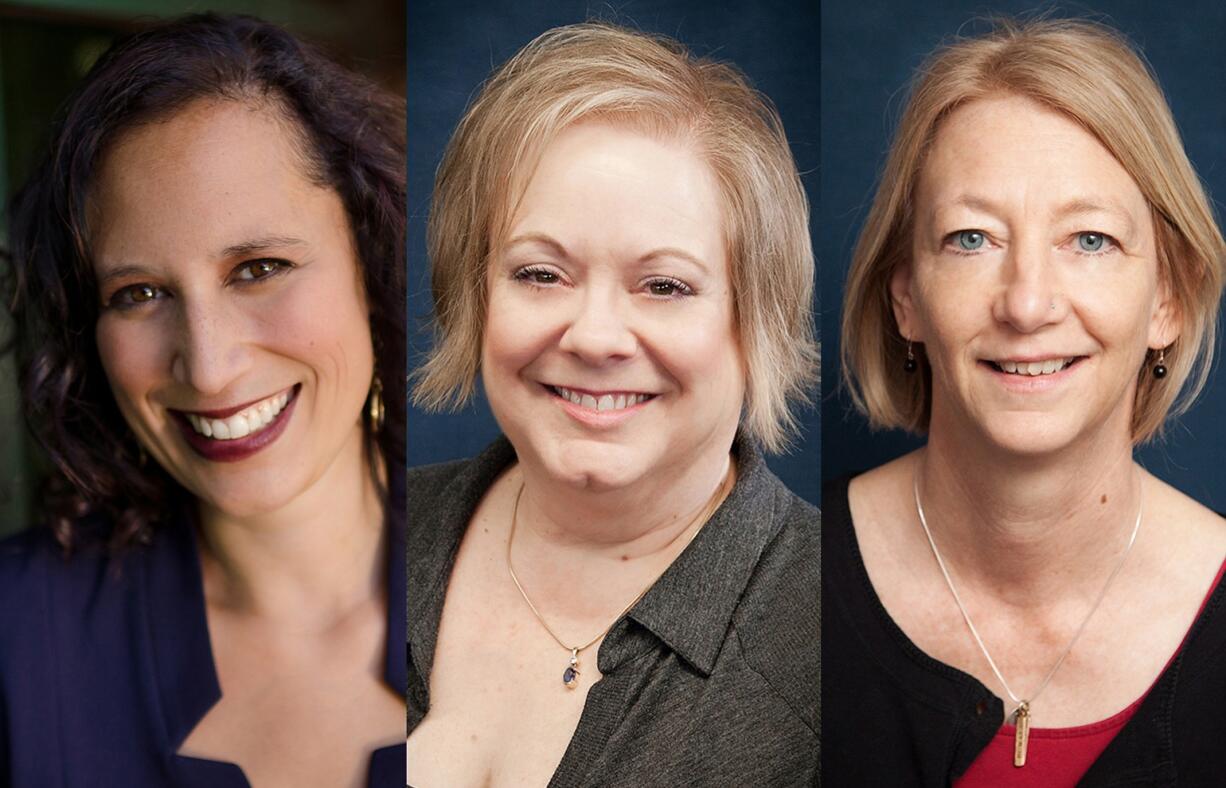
[610, 351]
[243, 390]
[235, 433]
[1033, 282]
[600, 408]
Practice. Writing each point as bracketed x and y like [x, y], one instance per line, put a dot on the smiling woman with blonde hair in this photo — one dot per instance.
[619, 587]
[1036, 289]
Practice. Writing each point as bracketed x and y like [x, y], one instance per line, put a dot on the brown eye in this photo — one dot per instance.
[538, 276]
[259, 269]
[668, 288]
[135, 295]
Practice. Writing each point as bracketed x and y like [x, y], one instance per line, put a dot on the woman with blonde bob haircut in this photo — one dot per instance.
[1035, 285]
[619, 245]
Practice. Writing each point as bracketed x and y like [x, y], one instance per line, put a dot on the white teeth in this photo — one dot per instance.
[246, 422]
[1034, 368]
[239, 428]
[604, 402]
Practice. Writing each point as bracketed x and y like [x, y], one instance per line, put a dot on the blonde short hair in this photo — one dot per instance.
[1093, 76]
[601, 71]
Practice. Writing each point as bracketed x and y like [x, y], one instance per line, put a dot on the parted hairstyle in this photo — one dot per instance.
[1092, 75]
[351, 139]
[653, 84]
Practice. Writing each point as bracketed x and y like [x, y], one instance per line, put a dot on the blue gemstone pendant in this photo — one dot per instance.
[570, 676]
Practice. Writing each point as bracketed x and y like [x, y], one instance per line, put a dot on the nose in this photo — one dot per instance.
[1029, 296]
[598, 332]
[209, 351]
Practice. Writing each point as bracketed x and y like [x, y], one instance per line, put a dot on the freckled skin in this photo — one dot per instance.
[170, 198]
[300, 706]
[1027, 290]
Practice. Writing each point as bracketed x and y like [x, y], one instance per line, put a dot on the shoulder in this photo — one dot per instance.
[430, 486]
[41, 584]
[425, 481]
[777, 623]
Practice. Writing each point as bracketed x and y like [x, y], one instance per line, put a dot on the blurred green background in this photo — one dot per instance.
[47, 45]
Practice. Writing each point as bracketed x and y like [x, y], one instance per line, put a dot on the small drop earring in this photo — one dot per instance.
[910, 365]
[1160, 367]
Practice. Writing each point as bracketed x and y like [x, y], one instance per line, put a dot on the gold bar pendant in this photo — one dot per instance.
[1021, 738]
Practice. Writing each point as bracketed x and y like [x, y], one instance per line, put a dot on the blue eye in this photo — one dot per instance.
[970, 240]
[1091, 242]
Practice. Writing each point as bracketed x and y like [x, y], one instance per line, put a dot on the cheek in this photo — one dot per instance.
[699, 348]
[517, 330]
[948, 306]
[324, 323]
[134, 357]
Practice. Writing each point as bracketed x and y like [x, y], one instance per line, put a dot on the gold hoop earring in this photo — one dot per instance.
[374, 408]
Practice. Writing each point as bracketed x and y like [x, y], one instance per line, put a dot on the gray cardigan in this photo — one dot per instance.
[712, 678]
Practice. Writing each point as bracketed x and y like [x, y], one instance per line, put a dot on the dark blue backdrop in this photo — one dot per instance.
[453, 46]
[869, 50]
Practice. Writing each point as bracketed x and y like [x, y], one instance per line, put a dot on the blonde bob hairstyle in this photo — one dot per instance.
[1093, 76]
[604, 72]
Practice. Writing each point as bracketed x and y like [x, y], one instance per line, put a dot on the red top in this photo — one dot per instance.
[1056, 756]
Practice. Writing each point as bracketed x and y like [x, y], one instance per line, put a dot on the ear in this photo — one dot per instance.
[1166, 320]
[900, 300]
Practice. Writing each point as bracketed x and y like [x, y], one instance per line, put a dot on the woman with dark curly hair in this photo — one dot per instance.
[207, 286]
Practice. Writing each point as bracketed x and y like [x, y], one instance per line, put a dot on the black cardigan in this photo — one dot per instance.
[895, 716]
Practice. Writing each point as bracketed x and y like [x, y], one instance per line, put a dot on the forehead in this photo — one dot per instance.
[211, 172]
[611, 187]
[1012, 149]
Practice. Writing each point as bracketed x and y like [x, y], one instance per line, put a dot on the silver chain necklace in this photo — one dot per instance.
[1021, 714]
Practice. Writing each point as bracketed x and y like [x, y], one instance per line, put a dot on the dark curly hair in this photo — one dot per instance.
[353, 140]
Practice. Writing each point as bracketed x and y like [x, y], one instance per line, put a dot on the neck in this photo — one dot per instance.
[1029, 530]
[312, 560]
[634, 521]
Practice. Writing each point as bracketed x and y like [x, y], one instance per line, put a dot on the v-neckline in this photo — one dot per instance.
[185, 670]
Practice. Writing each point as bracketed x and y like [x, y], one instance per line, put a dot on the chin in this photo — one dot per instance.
[594, 465]
[252, 495]
[1030, 434]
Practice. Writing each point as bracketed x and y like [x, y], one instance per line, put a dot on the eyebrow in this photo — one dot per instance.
[122, 272]
[538, 238]
[241, 249]
[261, 245]
[1083, 205]
[560, 250]
[1074, 207]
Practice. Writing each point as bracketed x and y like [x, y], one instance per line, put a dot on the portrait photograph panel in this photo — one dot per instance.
[1022, 264]
[202, 481]
[613, 465]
